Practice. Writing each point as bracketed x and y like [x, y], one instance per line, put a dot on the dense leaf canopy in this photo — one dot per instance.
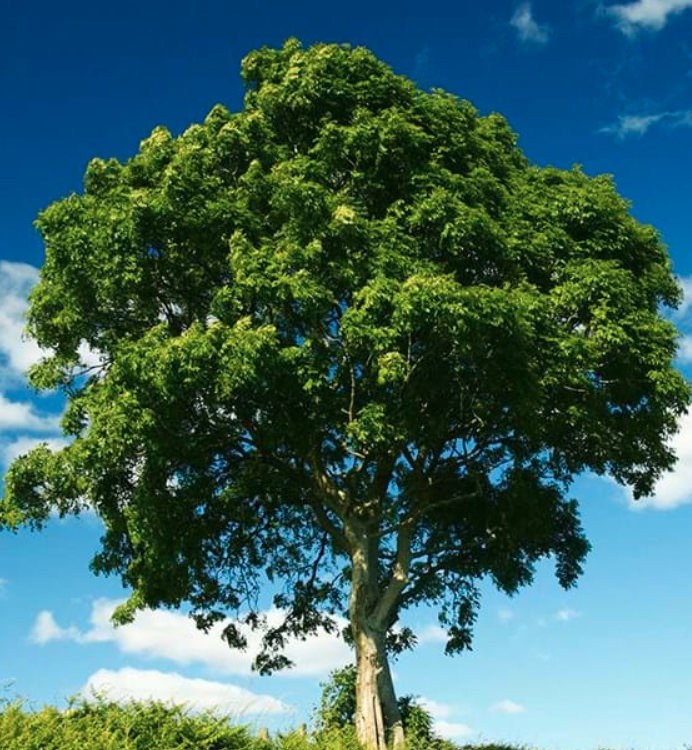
[353, 307]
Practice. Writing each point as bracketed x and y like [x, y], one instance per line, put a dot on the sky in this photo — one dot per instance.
[607, 86]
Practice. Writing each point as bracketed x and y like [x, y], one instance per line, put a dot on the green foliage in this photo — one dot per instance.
[418, 724]
[350, 318]
[337, 738]
[103, 725]
[338, 699]
[337, 710]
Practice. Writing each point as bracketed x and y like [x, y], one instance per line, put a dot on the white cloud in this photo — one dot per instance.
[173, 636]
[675, 487]
[141, 685]
[644, 15]
[528, 30]
[23, 419]
[566, 614]
[436, 709]
[685, 349]
[505, 615]
[88, 357]
[432, 634]
[452, 730]
[46, 629]
[686, 302]
[22, 416]
[508, 707]
[441, 713]
[17, 353]
[22, 445]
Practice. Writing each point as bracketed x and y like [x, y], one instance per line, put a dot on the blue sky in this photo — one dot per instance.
[607, 86]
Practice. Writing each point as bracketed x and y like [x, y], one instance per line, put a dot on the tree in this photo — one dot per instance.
[351, 342]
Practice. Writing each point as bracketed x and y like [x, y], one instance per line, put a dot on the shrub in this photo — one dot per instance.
[104, 725]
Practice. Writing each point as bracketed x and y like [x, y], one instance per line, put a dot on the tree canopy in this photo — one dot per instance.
[353, 342]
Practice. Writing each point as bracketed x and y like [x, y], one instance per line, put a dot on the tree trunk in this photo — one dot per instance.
[378, 719]
[390, 707]
[370, 728]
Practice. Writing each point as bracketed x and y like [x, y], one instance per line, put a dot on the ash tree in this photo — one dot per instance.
[351, 341]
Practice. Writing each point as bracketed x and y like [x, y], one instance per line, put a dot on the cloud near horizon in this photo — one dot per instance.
[162, 634]
[441, 713]
[643, 15]
[511, 708]
[129, 684]
[452, 730]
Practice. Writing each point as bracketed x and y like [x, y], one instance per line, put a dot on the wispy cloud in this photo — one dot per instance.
[170, 687]
[529, 31]
[566, 614]
[644, 15]
[46, 629]
[508, 707]
[173, 636]
[638, 125]
[505, 615]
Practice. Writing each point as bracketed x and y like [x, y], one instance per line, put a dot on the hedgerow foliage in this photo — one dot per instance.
[103, 725]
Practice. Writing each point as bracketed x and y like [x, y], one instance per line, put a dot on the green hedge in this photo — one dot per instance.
[104, 725]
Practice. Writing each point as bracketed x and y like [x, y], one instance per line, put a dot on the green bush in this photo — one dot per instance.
[103, 725]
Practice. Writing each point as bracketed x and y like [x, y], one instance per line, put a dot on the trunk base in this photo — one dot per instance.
[378, 718]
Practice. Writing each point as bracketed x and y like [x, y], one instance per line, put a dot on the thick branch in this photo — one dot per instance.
[337, 535]
[399, 578]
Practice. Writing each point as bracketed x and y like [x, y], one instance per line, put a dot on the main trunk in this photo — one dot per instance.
[370, 727]
[378, 719]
